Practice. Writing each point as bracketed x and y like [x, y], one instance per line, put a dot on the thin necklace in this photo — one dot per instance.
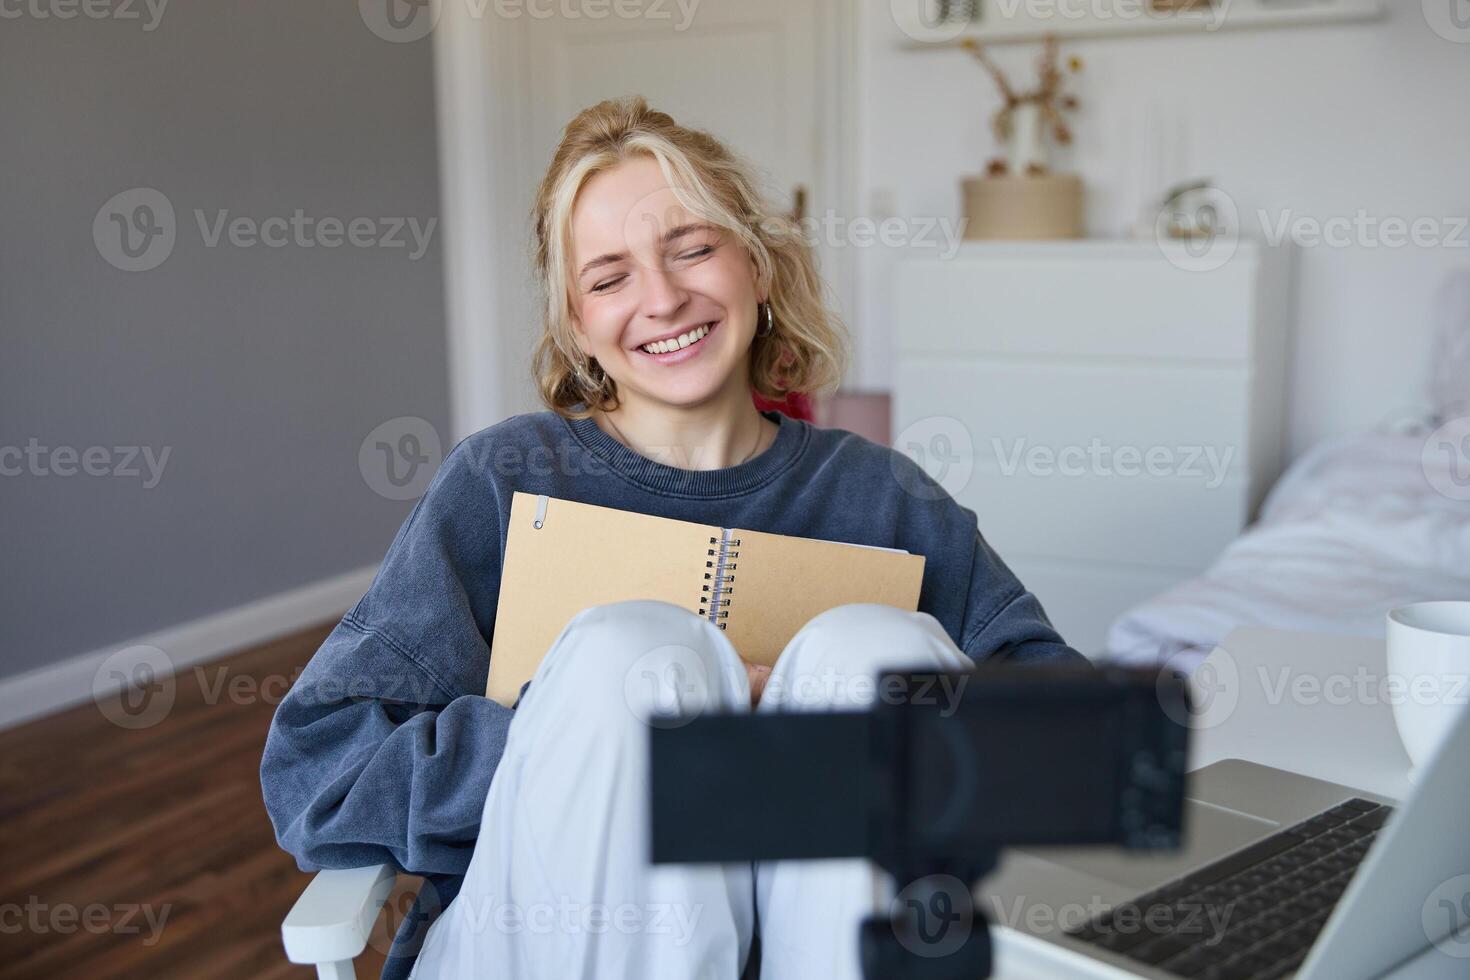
[759, 434]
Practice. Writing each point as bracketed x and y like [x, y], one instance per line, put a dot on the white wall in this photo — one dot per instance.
[488, 186]
[1324, 122]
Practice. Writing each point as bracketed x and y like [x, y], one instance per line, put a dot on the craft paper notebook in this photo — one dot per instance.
[562, 556]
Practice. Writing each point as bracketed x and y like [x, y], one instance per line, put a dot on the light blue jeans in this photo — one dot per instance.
[560, 885]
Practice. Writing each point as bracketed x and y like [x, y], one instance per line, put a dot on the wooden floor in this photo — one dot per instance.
[166, 819]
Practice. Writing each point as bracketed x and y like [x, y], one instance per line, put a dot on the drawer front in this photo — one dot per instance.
[1082, 601]
[1001, 411]
[1165, 522]
[1105, 307]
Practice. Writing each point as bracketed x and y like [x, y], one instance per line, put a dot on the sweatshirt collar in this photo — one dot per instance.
[791, 439]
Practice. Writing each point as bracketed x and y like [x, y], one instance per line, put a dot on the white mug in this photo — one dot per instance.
[1429, 660]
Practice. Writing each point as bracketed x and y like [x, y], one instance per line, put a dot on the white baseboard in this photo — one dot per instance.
[75, 680]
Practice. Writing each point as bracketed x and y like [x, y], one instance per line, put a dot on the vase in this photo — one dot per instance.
[1028, 140]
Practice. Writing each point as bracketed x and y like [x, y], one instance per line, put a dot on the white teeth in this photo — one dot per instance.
[677, 343]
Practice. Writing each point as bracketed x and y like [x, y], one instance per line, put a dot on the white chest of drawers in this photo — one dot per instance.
[1112, 417]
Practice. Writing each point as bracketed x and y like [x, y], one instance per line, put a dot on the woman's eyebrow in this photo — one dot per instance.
[673, 234]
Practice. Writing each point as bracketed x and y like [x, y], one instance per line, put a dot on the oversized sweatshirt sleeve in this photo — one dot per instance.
[1005, 622]
[384, 748]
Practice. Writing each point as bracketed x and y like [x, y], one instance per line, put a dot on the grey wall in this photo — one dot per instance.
[261, 369]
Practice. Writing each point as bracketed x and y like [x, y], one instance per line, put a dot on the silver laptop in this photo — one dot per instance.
[1281, 875]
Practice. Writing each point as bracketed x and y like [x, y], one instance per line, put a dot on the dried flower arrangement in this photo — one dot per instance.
[1046, 100]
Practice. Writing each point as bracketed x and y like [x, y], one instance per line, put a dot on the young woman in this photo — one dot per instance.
[673, 292]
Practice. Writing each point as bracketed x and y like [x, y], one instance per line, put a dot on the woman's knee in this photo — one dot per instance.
[861, 619]
[644, 656]
[872, 636]
[836, 658]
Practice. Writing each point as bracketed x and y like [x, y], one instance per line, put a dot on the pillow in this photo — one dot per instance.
[1449, 377]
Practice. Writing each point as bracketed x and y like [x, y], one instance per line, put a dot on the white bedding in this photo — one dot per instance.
[1353, 529]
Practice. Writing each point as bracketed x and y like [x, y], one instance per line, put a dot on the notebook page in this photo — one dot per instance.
[779, 582]
[583, 555]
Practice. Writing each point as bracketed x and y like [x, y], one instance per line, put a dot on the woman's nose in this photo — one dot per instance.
[663, 296]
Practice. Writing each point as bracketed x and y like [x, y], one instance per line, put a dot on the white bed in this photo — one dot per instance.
[1356, 526]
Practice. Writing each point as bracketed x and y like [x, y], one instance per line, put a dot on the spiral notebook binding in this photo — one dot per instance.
[719, 582]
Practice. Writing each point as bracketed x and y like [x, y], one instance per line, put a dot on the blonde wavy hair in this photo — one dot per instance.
[806, 351]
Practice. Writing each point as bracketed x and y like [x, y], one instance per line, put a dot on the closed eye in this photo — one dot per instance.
[697, 253]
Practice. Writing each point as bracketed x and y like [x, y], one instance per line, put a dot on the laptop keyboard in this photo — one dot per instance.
[1253, 915]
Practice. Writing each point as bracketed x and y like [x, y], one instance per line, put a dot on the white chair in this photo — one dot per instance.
[329, 925]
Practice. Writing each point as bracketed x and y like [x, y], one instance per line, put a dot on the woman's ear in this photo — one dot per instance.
[755, 278]
[579, 334]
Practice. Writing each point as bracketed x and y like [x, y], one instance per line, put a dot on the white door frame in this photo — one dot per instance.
[480, 76]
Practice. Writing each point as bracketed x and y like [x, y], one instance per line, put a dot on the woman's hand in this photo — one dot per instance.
[758, 674]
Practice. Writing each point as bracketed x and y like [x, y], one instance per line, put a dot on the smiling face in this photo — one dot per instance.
[665, 302]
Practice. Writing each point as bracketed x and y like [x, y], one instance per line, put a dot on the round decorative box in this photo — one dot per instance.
[1045, 207]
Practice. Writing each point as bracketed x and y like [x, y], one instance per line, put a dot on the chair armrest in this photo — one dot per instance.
[331, 920]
